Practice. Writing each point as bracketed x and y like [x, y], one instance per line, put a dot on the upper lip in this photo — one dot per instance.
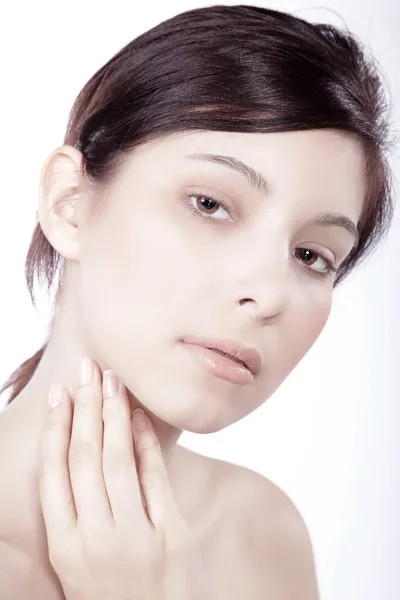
[245, 354]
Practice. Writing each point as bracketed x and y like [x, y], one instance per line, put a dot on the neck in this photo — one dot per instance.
[21, 425]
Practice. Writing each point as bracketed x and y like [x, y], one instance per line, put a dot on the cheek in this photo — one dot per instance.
[133, 275]
[293, 338]
[304, 326]
[315, 322]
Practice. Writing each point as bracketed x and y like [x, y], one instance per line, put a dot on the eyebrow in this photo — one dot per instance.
[259, 182]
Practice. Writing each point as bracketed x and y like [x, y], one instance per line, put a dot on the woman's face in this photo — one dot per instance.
[153, 270]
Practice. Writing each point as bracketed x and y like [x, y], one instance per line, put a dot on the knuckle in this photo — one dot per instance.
[151, 461]
[85, 395]
[98, 548]
[148, 442]
[116, 459]
[57, 560]
[148, 478]
[61, 554]
[80, 452]
[115, 406]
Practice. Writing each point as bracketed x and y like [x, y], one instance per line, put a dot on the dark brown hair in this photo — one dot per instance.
[227, 68]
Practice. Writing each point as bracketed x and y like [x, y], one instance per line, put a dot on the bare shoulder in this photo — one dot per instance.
[263, 535]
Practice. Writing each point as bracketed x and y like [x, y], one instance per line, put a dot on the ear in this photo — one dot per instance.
[63, 190]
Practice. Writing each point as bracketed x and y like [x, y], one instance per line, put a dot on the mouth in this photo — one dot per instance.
[221, 364]
[247, 356]
[228, 356]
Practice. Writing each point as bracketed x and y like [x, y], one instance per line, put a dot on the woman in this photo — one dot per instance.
[219, 176]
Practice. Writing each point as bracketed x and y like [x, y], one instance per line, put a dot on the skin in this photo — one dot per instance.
[142, 272]
[97, 504]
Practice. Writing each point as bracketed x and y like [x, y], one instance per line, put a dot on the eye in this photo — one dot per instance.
[320, 265]
[312, 258]
[208, 204]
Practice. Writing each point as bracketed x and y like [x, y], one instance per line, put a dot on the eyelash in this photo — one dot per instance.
[319, 274]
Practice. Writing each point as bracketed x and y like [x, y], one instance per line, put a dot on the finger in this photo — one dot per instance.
[119, 463]
[153, 476]
[85, 451]
[54, 484]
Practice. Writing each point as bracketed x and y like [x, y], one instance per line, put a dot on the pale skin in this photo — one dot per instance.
[117, 531]
[143, 271]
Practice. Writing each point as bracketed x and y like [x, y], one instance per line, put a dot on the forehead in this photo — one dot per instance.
[320, 168]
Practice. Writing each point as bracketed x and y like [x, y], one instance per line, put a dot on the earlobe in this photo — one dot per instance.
[61, 187]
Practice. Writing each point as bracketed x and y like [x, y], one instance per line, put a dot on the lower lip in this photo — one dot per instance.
[221, 366]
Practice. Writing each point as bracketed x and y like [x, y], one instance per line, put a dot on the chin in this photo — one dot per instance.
[189, 398]
[205, 414]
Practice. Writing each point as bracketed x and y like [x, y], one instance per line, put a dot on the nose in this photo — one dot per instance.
[262, 287]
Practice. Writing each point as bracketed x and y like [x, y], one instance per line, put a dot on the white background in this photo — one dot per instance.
[329, 436]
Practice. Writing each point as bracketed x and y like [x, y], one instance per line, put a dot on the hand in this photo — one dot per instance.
[113, 529]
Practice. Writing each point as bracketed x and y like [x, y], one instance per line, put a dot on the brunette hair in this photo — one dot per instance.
[227, 68]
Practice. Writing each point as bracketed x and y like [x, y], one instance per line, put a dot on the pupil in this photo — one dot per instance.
[306, 252]
[206, 200]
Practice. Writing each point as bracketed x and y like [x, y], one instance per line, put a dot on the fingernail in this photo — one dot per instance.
[139, 419]
[110, 383]
[85, 371]
[55, 395]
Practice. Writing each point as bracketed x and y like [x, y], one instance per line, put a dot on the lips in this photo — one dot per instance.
[228, 355]
[249, 357]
